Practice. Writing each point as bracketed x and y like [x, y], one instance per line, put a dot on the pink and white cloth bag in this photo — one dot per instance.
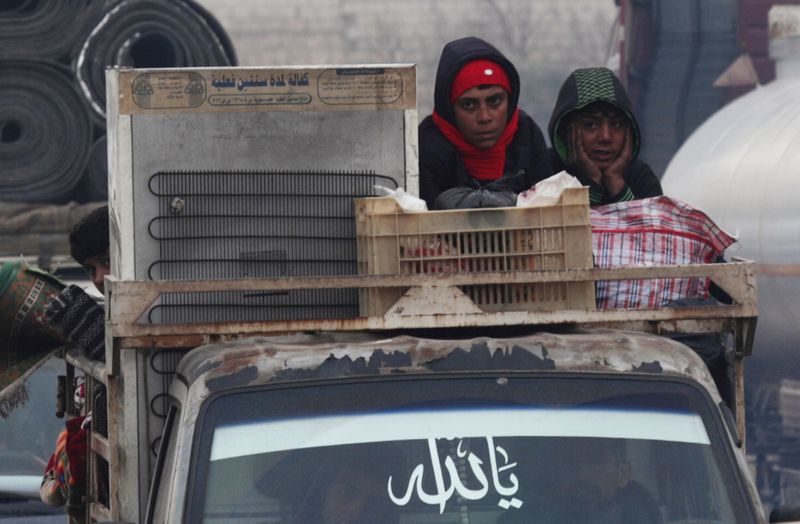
[653, 232]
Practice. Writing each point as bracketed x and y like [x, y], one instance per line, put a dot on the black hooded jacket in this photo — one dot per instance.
[440, 164]
[582, 88]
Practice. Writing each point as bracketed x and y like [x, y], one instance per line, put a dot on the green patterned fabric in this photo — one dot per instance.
[582, 88]
[593, 85]
[26, 338]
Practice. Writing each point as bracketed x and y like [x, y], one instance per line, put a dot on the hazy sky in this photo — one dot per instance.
[546, 39]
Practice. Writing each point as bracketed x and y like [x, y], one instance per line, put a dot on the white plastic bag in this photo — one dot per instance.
[404, 200]
[548, 191]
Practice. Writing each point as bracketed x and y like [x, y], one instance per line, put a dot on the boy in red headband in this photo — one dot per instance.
[478, 149]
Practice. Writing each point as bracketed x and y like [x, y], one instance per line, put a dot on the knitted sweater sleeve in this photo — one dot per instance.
[640, 182]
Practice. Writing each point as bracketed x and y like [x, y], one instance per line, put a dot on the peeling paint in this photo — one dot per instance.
[649, 367]
[331, 356]
[241, 377]
[204, 366]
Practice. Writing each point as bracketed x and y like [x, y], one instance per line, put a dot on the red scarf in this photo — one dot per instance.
[483, 164]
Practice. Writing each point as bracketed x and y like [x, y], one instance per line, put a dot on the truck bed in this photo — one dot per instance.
[434, 301]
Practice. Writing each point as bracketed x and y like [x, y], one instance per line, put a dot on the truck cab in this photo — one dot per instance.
[588, 426]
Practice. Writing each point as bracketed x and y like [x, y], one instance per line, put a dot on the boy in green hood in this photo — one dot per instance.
[596, 138]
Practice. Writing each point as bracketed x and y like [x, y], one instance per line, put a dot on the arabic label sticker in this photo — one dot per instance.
[169, 90]
[354, 86]
[260, 99]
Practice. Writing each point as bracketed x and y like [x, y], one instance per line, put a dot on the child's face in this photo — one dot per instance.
[481, 115]
[97, 267]
[602, 133]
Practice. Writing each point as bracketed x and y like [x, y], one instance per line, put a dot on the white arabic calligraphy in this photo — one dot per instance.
[444, 492]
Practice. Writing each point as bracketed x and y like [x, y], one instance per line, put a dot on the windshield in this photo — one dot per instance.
[484, 450]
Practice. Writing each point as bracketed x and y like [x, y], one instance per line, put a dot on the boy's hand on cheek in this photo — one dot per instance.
[613, 178]
[578, 162]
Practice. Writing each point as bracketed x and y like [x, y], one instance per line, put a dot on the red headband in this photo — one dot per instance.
[479, 73]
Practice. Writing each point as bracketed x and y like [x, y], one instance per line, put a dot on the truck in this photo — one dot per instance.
[474, 380]
[429, 415]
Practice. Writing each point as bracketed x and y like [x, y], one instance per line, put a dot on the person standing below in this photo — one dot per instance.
[64, 478]
[81, 321]
[73, 312]
[478, 149]
[596, 138]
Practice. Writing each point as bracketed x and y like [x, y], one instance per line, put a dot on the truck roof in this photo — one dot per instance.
[273, 359]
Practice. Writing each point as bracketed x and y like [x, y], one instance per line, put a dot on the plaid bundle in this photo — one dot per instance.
[653, 232]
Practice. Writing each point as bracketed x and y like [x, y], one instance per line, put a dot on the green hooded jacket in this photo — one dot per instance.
[588, 86]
